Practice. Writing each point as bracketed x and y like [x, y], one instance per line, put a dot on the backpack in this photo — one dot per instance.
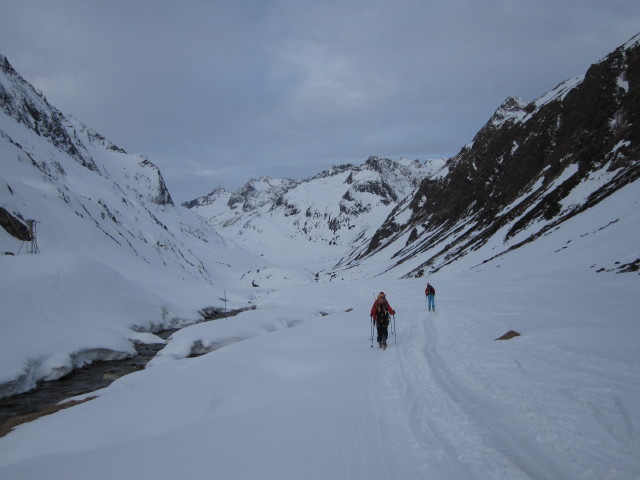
[382, 314]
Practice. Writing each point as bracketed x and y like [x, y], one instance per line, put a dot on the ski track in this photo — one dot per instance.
[356, 425]
[442, 425]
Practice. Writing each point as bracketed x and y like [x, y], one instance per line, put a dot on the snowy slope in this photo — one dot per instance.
[298, 394]
[602, 238]
[116, 255]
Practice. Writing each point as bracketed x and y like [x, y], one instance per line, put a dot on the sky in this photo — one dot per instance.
[218, 92]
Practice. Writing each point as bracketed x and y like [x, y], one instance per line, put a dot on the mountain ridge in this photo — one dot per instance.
[511, 175]
[513, 183]
[334, 207]
[75, 182]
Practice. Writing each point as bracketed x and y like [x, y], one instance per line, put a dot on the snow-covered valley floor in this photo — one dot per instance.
[295, 390]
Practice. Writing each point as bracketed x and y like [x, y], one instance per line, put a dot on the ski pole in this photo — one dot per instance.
[395, 337]
[371, 331]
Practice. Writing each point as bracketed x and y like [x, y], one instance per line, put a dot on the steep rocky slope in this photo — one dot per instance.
[531, 168]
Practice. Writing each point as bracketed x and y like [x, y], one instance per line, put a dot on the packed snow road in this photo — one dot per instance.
[296, 393]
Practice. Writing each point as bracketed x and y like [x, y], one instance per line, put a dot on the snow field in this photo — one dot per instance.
[305, 396]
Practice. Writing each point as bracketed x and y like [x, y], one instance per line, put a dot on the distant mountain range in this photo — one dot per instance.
[531, 169]
[334, 211]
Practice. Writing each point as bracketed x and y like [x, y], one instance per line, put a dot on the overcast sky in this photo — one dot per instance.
[217, 92]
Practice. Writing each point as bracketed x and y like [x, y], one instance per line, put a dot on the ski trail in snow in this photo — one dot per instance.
[496, 430]
[618, 424]
[362, 440]
[439, 426]
[420, 449]
[499, 444]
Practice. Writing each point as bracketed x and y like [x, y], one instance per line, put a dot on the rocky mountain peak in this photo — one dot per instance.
[208, 199]
[19, 100]
[259, 192]
[512, 109]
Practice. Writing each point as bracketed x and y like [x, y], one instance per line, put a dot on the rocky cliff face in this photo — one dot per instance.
[529, 169]
[19, 100]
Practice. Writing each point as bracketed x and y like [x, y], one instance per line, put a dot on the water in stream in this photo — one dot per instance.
[97, 375]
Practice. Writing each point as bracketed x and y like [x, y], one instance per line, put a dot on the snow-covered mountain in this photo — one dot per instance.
[324, 216]
[533, 167]
[573, 155]
[87, 195]
[109, 236]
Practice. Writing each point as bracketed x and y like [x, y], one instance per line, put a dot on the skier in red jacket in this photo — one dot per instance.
[380, 317]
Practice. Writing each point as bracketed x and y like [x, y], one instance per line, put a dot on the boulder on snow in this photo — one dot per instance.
[509, 335]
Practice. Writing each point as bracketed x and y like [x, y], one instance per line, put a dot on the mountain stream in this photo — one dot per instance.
[97, 375]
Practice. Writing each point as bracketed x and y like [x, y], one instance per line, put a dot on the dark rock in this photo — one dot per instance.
[14, 226]
[509, 335]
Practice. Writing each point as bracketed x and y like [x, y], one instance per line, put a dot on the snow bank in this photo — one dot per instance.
[61, 312]
[207, 337]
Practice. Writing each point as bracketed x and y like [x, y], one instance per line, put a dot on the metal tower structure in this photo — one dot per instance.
[33, 242]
